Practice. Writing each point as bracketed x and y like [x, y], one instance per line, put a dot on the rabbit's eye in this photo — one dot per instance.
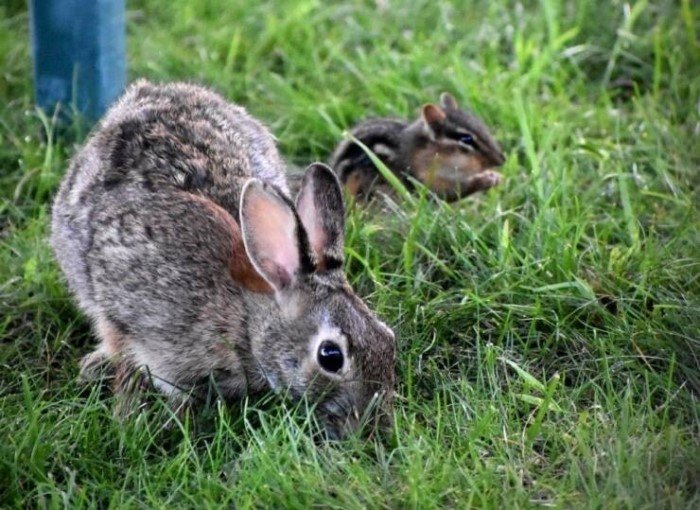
[330, 356]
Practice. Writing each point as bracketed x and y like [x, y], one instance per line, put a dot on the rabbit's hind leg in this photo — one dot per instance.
[101, 362]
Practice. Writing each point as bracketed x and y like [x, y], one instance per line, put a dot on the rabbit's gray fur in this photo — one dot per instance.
[170, 229]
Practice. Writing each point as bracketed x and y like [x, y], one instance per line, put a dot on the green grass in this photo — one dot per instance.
[549, 331]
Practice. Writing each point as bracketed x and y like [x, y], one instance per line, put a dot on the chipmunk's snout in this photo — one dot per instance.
[499, 159]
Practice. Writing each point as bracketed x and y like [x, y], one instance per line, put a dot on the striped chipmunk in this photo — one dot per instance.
[448, 149]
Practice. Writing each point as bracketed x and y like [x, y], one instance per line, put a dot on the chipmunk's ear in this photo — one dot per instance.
[433, 118]
[448, 102]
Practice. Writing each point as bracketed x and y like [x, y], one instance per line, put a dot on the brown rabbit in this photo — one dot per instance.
[176, 233]
[448, 149]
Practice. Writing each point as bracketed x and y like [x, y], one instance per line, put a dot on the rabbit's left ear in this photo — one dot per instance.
[270, 233]
[322, 214]
[242, 270]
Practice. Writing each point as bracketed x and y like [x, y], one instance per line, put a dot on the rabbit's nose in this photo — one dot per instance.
[352, 423]
[337, 428]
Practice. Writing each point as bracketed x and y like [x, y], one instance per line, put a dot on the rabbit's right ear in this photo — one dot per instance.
[271, 236]
[322, 214]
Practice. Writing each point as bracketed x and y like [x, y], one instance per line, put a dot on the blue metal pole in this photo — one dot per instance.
[79, 49]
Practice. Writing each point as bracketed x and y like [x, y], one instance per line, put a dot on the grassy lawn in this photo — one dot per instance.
[549, 331]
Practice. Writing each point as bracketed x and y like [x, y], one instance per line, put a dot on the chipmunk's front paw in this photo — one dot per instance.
[487, 179]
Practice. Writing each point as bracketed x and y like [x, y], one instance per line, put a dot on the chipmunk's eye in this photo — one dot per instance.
[330, 356]
[467, 140]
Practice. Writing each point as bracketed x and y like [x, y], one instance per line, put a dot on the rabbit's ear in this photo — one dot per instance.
[321, 211]
[241, 268]
[244, 272]
[270, 234]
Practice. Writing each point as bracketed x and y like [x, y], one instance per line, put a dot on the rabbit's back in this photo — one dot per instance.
[162, 139]
[176, 135]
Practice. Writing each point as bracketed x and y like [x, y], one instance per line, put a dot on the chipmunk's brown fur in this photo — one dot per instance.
[447, 148]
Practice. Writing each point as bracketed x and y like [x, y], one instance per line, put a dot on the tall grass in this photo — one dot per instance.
[548, 330]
